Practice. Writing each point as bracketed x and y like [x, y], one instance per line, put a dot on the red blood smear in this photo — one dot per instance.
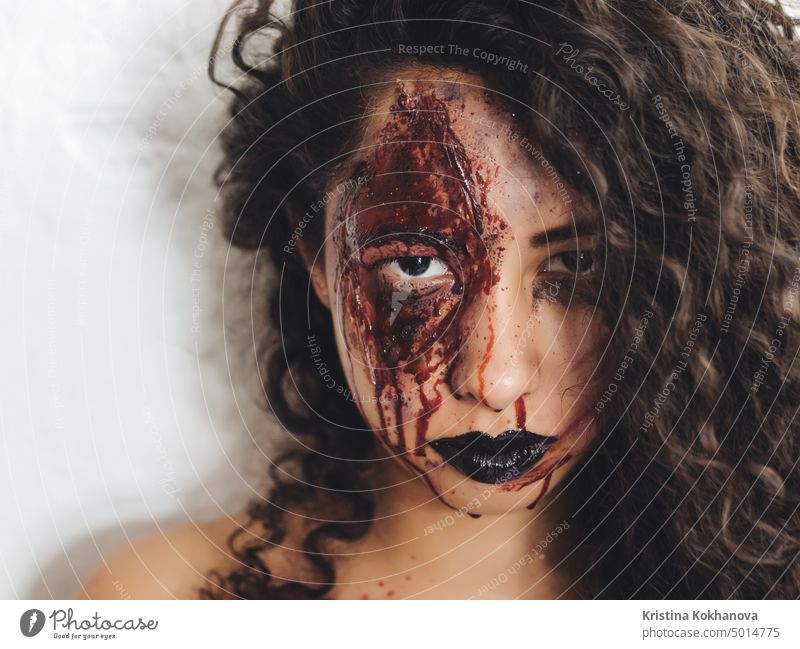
[423, 419]
[522, 415]
[545, 487]
[548, 477]
[420, 192]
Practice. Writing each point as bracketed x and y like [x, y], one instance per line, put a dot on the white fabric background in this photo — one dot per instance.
[115, 416]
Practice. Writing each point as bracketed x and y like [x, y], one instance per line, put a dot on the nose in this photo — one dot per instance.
[498, 364]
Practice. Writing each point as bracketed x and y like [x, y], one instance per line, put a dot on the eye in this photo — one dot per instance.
[416, 267]
[571, 262]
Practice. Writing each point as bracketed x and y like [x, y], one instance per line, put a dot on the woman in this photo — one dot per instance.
[538, 304]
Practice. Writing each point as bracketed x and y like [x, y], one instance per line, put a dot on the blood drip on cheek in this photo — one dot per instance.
[422, 187]
[549, 476]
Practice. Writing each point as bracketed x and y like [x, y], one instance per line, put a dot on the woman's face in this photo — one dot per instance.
[456, 269]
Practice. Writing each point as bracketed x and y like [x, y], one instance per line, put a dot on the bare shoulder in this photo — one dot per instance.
[169, 564]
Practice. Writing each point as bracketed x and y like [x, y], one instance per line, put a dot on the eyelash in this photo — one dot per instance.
[400, 260]
[583, 257]
[419, 283]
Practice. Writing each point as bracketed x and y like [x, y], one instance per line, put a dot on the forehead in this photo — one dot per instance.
[479, 116]
[517, 180]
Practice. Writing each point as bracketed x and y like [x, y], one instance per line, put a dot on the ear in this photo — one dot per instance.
[316, 272]
[313, 262]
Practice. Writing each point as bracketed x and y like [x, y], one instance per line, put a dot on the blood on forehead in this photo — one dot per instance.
[420, 174]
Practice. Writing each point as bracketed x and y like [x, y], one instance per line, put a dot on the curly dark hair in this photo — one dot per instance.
[694, 489]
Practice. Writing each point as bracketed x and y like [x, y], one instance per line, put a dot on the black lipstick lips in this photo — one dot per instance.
[493, 460]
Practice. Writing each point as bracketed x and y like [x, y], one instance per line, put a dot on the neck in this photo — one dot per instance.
[418, 546]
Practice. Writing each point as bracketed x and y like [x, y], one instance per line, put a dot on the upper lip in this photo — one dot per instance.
[493, 459]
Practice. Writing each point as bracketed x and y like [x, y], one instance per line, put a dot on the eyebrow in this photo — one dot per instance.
[389, 231]
[563, 233]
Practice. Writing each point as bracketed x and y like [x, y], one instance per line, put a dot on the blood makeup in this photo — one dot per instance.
[416, 256]
[414, 261]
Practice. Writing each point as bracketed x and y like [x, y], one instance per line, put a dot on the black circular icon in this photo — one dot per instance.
[31, 622]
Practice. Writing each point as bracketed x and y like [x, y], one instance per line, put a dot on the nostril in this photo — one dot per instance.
[462, 391]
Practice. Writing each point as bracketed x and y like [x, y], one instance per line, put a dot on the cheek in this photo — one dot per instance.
[410, 325]
[399, 346]
[570, 342]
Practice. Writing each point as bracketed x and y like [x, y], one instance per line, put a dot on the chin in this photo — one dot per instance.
[529, 492]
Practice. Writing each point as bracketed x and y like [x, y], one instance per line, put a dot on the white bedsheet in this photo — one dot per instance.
[117, 411]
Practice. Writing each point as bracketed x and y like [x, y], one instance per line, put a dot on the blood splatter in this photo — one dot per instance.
[421, 198]
[522, 415]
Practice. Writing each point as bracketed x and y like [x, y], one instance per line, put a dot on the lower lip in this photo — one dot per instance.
[496, 468]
